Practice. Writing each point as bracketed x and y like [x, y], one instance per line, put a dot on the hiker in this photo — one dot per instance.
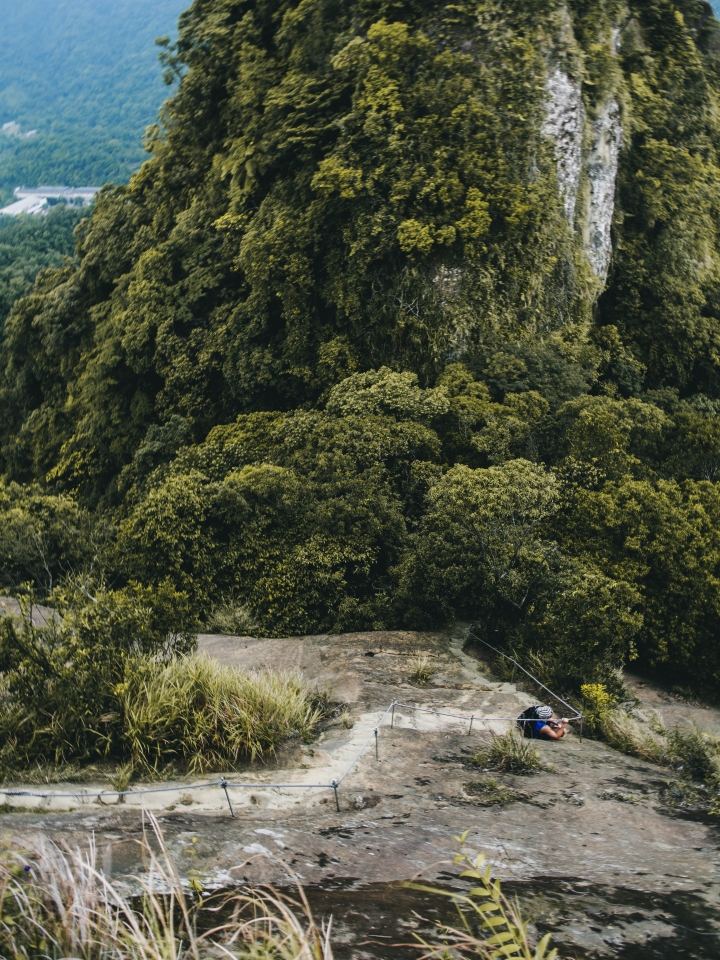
[537, 723]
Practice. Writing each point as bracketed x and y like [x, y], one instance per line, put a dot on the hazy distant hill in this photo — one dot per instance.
[85, 75]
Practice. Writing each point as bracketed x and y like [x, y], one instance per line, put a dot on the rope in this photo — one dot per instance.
[364, 746]
[225, 785]
[527, 672]
[280, 786]
[459, 716]
[698, 933]
[108, 793]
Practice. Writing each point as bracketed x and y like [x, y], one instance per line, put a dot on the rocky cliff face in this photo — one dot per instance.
[587, 152]
[602, 167]
[565, 124]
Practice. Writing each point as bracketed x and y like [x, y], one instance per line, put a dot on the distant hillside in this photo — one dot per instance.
[85, 76]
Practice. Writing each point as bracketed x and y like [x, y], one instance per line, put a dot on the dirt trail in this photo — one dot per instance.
[594, 821]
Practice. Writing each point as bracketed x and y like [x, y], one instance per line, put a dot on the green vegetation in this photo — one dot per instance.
[335, 359]
[86, 78]
[29, 245]
[60, 904]
[509, 753]
[109, 678]
[489, 793]
[605, 720]
[197, 714]
[492, 927]
[421, 669]
[692, 754]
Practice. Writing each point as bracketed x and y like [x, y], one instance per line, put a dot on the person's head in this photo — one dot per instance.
[544, 713]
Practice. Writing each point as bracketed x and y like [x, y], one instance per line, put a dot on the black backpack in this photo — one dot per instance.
[527, 727]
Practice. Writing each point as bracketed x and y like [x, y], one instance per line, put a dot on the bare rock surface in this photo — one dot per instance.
[586, 843]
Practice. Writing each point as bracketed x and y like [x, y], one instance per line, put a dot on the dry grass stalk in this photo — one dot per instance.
[58, 904]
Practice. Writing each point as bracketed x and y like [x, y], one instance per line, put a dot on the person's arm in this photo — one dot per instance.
[556, 734]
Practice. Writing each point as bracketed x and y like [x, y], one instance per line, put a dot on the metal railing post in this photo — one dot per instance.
[335, 788]
[376, 744]
[223, 784]
[471, 723]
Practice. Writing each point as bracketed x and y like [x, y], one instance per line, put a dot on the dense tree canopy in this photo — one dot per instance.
[337, 356]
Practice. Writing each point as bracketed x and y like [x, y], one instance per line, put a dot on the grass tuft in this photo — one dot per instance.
[421, 669]
[198, 713]
[233, 619]
[509, 753]
[488, 792]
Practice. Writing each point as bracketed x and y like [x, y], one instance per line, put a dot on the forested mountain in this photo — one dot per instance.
[85, 76]
[29, 245]
[412, 313]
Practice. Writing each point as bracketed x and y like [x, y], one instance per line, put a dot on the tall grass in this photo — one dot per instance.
[509, 753]
[190, 713]
[56, 904]
[605, 720]
[204, 715]
[693, 754]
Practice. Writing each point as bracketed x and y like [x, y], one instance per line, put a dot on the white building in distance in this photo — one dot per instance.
[35, 200]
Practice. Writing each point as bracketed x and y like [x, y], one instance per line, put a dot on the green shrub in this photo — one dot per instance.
[233, 619]
[605, 720]
[201, 715]
[483, 549]
[59, 701]
[695, 754]
[509, 753]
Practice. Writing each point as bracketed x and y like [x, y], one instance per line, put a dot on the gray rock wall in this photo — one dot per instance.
[587, 159]
[565, 124]
[602, 167]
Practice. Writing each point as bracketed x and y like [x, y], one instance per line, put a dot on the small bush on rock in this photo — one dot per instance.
[202, 715]
[509, 753]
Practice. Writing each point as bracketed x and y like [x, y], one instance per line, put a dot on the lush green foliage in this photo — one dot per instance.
[29, 245]
[86, 78]
[335, 359]
[106, 679]
[62, 685]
